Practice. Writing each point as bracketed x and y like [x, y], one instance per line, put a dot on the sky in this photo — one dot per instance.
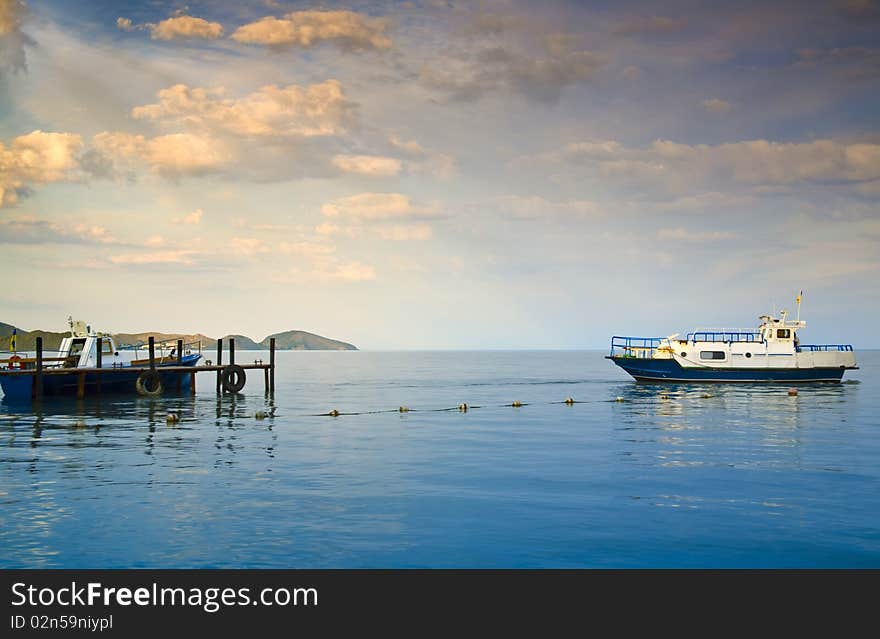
[439, 174]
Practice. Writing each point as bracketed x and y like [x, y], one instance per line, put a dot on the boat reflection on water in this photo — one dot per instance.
[663, 429]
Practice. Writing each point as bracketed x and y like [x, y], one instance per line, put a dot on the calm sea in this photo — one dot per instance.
[672, 476]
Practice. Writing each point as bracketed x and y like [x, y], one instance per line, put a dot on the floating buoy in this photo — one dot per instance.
[334, 413]
[705, 396]
[664, 396]
[569, 401]
[619, 399]
[403, 409]
[792, 392]
[172, 418]
[517, 404]
[463, 407]
[260, 415]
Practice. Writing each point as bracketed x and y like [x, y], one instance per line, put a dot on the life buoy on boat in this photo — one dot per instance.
[233, 378]
[14, 362]
[149, 384]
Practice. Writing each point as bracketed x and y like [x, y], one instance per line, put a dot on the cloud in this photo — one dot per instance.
[317, 110]
[31, 230]
[173, 156]
[349, 271]
[404, 233]
[534, 206]
[326, 228]
[374, 206]
[684, 235]
[632, 73]
[180, 257]
[716, 105]
[37, 158]
[372, 165]
[859, 10]
[651, 25]
[495, 68]
[754, 162]
[12, 39]
[410, 147]
[184, 27]
[124, 24]
[193, 218]
[347, 29]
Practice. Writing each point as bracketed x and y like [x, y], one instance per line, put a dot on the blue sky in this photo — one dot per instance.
[440, 174]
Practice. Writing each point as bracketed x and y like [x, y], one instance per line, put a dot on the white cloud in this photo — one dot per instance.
[404, 232]
[316, 110]
[183, 27]
[349, 271]
[753, 162]
[31, 230]
[327, 228]
[717, 106]
[411, 147]
[347, 29]
[473, 74]
[372, 165]
[192, 218]
[180, 257]
[173, 156]
[124, 24]
[373, 206]
[684, 235]
[534, 206]
[12, 39]
[37, 158]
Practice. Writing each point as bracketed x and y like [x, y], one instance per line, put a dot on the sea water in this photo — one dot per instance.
[631, 475]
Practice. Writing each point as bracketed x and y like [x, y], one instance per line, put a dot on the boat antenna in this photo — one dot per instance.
[800, 295]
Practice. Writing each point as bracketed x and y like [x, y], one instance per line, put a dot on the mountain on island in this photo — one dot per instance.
[287, 340]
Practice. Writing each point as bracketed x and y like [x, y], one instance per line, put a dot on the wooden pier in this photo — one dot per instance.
[231, 377]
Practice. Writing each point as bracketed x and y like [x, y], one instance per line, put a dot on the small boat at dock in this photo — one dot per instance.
[81, 360]
[772, 352]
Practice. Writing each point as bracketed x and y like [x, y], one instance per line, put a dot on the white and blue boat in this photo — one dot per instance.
[770, 353]
[78, 353]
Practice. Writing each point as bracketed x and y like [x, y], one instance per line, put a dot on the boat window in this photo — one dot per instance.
[77, 346]
[105, 346]
[684, 354]
[712, 355]
[783, 333]
[748, 354]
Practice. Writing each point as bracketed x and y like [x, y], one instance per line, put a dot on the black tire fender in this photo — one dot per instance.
[233, 378]
[149, 384]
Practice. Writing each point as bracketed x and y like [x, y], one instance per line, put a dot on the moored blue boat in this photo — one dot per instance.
[78, 368]
[770, 353]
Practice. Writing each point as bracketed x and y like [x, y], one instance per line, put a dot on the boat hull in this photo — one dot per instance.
[18, 388]
[668, 370]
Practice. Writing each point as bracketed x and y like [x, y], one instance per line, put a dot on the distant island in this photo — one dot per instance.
[287, 340]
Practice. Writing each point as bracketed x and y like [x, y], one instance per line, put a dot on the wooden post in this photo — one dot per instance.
[266, 380]
[152, 342]
[192, 383]
[81, 386]
[219, 361]
[232, 350]
[38, 377]
[99, 362]
[179, 363]
[272, 364]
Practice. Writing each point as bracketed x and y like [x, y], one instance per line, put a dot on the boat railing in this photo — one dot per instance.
[164, 348]
[725, 335]
[634, 347]
[824, 347]
[28, 359]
